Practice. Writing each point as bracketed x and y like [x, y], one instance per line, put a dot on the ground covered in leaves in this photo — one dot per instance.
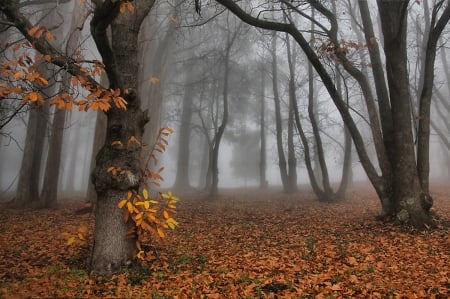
[245, 244]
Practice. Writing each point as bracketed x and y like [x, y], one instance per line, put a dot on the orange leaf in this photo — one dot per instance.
[19, 74]
[161, 232]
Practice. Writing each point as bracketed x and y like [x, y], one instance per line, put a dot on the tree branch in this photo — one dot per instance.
[12, 13]
[104, 14]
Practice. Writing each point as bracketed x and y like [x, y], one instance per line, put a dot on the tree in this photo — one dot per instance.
[402, 185]
[112, 249]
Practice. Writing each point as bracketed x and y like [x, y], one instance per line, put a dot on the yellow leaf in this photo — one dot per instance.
[80, 236]
[161, 232]
[146, 204]
[139, 215]
[152, 218]
[166, 215]
[171, 223]
[154, 80]
[140, 255]
[122, 203]
[145, 193]
[130, 207]
[70, 241]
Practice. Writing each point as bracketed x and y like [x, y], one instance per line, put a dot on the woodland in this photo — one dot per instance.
[224, 149]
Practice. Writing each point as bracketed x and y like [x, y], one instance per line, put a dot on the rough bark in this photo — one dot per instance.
[410, 202]
[112, 248]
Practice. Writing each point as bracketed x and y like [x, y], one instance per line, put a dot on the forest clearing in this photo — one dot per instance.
[244, 244]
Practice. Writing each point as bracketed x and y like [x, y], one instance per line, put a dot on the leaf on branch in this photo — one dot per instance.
[145, 193]
[130, 207]
[34, 97]
[122, 203]
[161, 232]
[120, 103]
[19, 74]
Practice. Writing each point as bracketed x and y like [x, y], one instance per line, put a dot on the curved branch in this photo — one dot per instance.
[13, 15]
[104, 14]
[326, 79]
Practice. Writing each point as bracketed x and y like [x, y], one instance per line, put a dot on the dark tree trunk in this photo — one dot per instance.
[292, 160]
[112, 248]
[27, 193]
[49, 194]
[423, 144]
[218, 136]
[99, 140]
[409, 199]
[278, 124]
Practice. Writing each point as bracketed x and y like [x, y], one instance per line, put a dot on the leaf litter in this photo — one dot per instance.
[243, 244]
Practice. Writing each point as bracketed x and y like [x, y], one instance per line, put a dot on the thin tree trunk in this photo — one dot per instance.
[262, 133]
[278, 123]
[182, 176]
[423, 144]
[292, 161]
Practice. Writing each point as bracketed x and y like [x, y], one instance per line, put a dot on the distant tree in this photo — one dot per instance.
[402, 185]
[246, 156]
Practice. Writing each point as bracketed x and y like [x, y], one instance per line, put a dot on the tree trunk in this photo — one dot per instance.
[262, 133]
[112, 248]
[292, 161]
[49, 194]
[409, 200]
[182, 176]
[278, 123]
[27, 193]
[423, 144]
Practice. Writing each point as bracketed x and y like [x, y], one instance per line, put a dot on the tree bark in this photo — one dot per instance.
[409, 200]
[112, 248]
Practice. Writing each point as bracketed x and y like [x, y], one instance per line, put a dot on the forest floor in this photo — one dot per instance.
[245, 244]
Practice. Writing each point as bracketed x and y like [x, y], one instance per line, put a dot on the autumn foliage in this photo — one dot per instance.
[244, 244]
